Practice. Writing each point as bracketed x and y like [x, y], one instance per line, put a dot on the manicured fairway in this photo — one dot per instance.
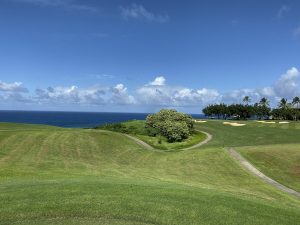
[252, 134]
[52, 175]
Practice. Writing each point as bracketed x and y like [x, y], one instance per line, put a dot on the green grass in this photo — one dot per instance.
[252, 134]
[137, 128]
[79, 176]
[281, 162]
[109, 201]
[163, 144]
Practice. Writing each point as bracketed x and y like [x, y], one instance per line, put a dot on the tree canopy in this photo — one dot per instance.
[171, 124]
[286, 110]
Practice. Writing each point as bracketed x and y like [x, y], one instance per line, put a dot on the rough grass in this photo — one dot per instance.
[281, 162]
[74, 176]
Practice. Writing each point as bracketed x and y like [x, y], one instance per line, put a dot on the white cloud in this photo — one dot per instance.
[14, 97]
[13, 92]
[236, 96]
[140, 12]
[59, 94]
[12, 87]
[287, 85]
[194, 96]
[66, 4]
[156, 93]
[282, 11]
[120, 95]
[71, 95]
[159, 94]
[159, 81]
[267, 92]
[96, 95]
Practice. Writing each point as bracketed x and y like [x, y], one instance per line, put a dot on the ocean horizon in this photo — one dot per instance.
[70, 119]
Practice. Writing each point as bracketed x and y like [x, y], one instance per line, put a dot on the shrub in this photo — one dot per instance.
[171, 124]
[152, 132]
[159, 140]
[118, 127]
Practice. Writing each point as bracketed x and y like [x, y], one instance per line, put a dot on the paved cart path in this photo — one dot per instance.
[246, 164]
[149, 147]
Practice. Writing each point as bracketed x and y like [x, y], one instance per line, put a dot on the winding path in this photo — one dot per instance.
[246, 164]
[149, 147]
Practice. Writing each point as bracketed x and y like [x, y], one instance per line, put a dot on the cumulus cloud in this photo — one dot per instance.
[140, 12]
[120, 95]
[15, 97]
[12, 87]
[60, 94]
[285, 87]
[236, 96]
[159, 81]
[13, 93]
[159, 94]
[96, 95]
[156, 93]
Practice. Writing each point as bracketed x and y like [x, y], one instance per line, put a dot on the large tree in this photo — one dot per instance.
[246, 100]
[264, 102]
[296, 102]
[171, 124]
[283, 104]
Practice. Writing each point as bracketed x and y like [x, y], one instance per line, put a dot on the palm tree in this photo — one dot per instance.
[283, 104]
[264, 102]
[246, 100]
[296, 102]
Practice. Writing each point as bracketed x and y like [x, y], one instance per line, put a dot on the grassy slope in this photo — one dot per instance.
[70, 176]
[137, 128]
[281, 162]
[196, 138]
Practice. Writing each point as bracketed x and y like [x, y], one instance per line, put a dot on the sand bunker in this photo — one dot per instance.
[267, 122]
[284, 122]
[234, 124]
[200, 121]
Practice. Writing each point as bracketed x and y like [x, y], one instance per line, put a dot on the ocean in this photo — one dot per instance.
[72, 119]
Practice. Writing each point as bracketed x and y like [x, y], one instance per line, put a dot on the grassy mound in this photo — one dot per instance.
[137, 128]
[52, 175]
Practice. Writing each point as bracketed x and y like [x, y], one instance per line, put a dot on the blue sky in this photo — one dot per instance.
[140, 56]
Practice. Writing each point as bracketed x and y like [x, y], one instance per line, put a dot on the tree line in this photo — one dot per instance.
[260, 110]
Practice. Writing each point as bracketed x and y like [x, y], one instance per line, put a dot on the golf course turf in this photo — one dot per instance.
[137, 129]
[51, 175]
